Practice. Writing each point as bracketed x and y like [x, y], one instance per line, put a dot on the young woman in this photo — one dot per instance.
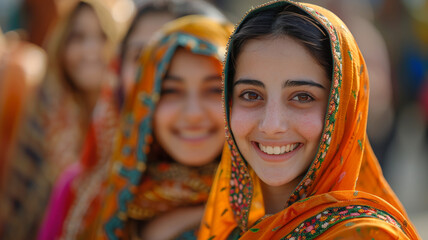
[73, 195]
[298, 164]
[51, 135]
[170, 136]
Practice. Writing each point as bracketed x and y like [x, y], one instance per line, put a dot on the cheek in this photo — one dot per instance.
[71, 55]
[310, 125]
[166, 112]
[242, 122]
[215, 111]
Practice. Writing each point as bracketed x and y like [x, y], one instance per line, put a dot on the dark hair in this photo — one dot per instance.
[177, 8]
[284, 21]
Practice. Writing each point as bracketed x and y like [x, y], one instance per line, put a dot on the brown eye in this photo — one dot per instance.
[303, 98]
[250, 96]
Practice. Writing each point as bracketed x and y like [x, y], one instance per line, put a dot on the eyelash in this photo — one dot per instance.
[296, 98]
[246, 93]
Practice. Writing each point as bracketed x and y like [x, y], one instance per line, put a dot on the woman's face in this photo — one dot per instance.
[84, 58]
[188, 122]
[280, 96]
[146, 26]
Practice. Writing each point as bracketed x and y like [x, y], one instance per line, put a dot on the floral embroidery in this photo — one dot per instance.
[241, 188]
[318, 224]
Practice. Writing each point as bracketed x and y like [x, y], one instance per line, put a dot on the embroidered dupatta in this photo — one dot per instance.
[342, 194]
[133, 176]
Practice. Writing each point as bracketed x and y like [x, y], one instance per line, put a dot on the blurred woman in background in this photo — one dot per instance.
[170, 136]
[52, 132]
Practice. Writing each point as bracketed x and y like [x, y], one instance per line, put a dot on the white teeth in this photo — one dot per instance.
[277, 150]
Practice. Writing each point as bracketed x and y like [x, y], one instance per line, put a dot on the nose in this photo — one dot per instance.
[193, 110]
[93, 48]
[273, 121]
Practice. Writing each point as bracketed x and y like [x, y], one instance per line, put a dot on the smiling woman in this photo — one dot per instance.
[170, 137]
[188, 119]
[298, 163]
[277, 119]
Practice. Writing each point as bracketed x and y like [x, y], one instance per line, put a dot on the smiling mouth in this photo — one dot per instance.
[194, 135]
[278, 150]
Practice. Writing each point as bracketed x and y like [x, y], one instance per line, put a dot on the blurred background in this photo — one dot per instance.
[392, 34]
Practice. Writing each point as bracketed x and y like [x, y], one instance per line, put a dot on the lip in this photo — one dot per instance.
[275, 158]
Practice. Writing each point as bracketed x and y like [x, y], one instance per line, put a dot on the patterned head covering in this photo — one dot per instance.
[342, 185]
[134, 176]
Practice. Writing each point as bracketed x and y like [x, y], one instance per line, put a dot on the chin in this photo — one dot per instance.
[275, 182]
[195, 161]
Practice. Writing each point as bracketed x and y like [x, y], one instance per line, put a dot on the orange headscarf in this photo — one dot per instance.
[342, 194]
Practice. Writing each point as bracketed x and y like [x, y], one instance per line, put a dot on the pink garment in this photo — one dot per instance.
[57, 208]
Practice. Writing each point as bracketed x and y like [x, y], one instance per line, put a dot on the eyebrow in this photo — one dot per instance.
[295, 83]
[249, 82]
[288, 83]
[172, 78]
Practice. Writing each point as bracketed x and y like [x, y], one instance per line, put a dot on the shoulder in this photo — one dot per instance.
[364, 228]
[350, 222]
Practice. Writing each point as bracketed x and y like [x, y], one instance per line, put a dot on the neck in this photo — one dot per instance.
[90, 99]
[275, 197]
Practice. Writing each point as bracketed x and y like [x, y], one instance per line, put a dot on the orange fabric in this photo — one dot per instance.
[343, 183]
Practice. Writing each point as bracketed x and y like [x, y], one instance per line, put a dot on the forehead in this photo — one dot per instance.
[275, 56]
[84, 16]
[189, 67]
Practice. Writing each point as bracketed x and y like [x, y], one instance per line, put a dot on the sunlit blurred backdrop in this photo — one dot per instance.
[393, 36]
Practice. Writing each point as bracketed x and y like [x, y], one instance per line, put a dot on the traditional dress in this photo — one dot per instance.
[130, 183]
[343, 194]
[51, 135]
